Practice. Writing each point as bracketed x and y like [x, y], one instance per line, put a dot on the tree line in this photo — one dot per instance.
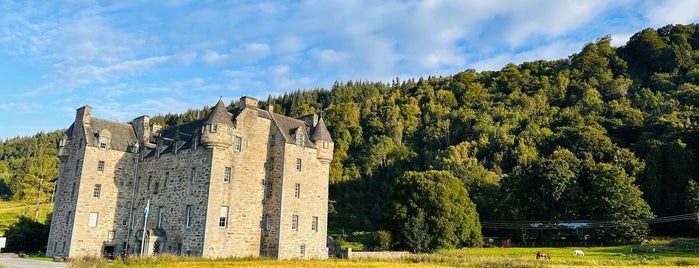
[607, 134]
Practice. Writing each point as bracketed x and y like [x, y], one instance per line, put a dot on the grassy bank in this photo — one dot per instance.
[666, 254]
[11, 210]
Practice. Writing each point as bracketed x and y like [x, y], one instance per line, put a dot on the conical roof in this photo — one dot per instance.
[321, 133]
[220, 115]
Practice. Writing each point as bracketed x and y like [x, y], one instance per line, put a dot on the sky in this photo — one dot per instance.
[131, 58]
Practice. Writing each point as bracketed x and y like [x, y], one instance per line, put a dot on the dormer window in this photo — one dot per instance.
[213, 128]
[299, 138]
[103, 142]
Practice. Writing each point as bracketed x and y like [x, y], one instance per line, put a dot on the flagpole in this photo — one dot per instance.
[145, 220]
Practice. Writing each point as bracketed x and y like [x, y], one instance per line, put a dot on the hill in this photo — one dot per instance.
[608, 135]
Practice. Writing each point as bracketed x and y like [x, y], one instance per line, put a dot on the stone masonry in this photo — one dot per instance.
[248, 182]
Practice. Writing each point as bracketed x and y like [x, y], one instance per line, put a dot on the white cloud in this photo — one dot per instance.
[20, 106]
[661, 13]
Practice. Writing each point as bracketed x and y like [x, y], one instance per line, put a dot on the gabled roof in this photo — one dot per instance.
[122, 137]
[321, 133]
[288, 127]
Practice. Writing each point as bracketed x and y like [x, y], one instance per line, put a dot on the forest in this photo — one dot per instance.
[607, 136]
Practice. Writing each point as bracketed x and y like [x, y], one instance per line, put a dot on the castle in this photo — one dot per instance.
[248, 182]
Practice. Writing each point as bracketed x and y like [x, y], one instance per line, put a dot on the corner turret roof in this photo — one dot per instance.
[321, 132]
[220, 115]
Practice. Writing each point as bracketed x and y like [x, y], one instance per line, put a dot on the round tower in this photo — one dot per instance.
[323, 141]
[217, 127]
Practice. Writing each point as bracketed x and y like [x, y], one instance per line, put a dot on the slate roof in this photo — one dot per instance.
[288, 127]
[220, 115]
[122, 137]
[321, 133]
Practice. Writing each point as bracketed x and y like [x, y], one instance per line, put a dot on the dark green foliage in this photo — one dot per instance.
[27, 235]
[431, 210]
[381, 240]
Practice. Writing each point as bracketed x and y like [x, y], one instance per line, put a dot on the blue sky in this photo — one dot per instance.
[133, 58]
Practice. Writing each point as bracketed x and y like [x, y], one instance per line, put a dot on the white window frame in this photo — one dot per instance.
[295, 222]
[100, 166]
[161, 213]
[237, 143]
[268, 222]
[314, 224]
[299, 138]
[92, 220]
[303, 251]
[227, 174]
[96, 192]
[213, 128]
[103, 143]
[189, 216]
[223, 217]
[297, 190]
[299, 164]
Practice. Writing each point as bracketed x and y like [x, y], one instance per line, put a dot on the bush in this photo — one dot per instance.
[381, 240]
[27, 235]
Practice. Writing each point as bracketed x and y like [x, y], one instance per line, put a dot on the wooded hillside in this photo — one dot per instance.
[607, 134]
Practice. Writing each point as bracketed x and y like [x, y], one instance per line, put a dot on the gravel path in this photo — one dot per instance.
[12, 261]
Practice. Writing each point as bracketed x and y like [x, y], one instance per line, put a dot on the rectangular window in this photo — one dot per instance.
[303, 251]
[103, 142]
[297, 190]
[77, 166]
[189, 216]
[72, 191]
[68, 217]
[92, 222]
[227, 175]
[326, 144]
[161, 213]
[269, 189]
[110, 236]
[314, 224]
[124, 221]
[193, 175]
[97, 190]
[166, 180]
[100, 166]
[295, 222]
[238, 143]
[223, 217]
[270, 166]
[299, 138]
[155, 187]
[213, 128]
[298, 164]
[267, 222]
[272, 140]
[150, 179]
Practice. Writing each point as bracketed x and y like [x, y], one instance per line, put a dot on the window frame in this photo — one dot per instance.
[299, 164]
[237, 143]
[297, 190]
[227, 174]
[189, 216]
[223, 217]
[100, 166]
[295, 222]
[97, 191]
[314, 223]
[93, 219]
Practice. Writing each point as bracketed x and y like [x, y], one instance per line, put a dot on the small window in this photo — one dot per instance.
[227, 175]
[213, 128]
[68, 217]
[100, 166]
[326, 144]
[297, 190]
[97, 190]
[193, 175]
[238, 144]
[270, 166]
[299, 138]
[73, 190]
[161, 213]
[156, 186]
[272, 140]
[124, 221]
[223, 217]
[267, 222]
[298, 164]
[103, 142]
[295, 222]
[92, 222]
[166, 180]
[269, 189]
[110, 236]
[303, 250]
[189, 216]
[314, 224]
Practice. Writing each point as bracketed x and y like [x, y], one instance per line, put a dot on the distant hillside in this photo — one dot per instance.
[609, 134]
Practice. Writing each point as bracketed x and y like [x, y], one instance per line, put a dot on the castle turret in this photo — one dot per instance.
[324, 143]
[216, 132]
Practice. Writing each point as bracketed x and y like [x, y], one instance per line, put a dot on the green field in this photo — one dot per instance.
[11, 210]
[667, 254]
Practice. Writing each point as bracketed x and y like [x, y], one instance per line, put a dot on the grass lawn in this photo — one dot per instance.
[11, 210]
[614, 256]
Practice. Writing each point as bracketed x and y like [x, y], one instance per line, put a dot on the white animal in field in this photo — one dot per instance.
[578, 252]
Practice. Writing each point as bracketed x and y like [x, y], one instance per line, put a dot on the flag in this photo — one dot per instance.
[145, 210]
